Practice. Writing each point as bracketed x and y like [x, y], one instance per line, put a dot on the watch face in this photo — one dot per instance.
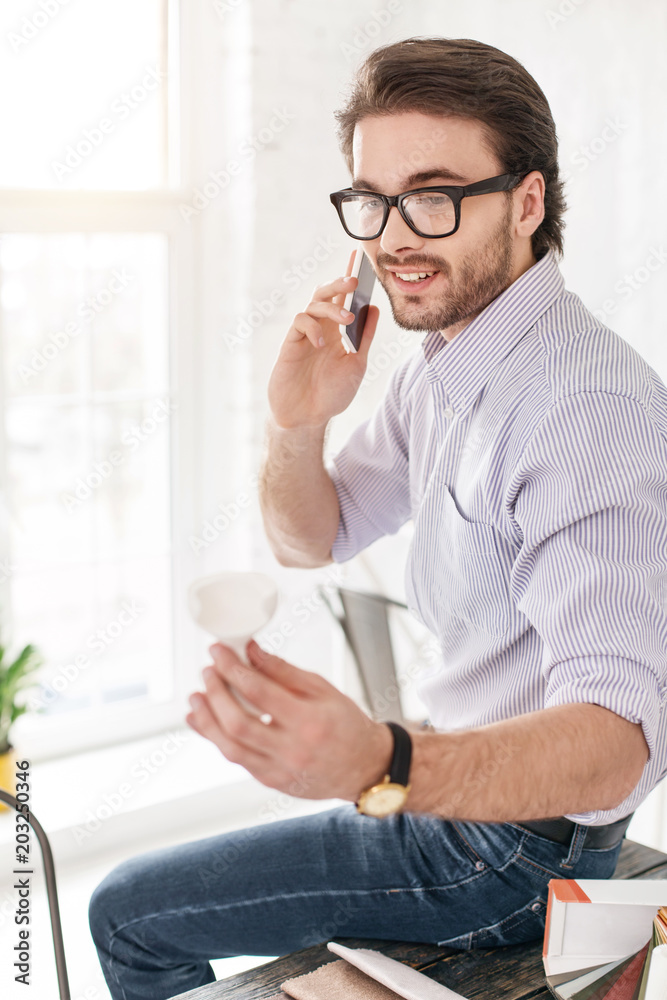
[383, 800]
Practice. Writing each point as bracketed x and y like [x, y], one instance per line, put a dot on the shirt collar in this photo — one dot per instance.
[466, 363]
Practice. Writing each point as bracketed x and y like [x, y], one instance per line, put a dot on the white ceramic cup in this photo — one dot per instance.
[233, 606]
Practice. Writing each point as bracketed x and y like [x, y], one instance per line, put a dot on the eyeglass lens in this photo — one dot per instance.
[431, 212]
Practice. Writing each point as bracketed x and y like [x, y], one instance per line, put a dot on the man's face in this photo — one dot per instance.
[401, 152]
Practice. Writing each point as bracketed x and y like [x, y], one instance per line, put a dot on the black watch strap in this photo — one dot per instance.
[400, 762]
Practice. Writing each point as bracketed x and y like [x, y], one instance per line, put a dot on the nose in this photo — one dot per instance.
[397, 235]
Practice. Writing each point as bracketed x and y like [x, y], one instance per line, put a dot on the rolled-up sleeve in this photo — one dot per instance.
[591, 574]
[371, 477]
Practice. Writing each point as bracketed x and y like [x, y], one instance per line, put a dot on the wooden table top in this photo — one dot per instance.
[513, 973]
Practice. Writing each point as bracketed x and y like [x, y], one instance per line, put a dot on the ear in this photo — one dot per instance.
[529, 203]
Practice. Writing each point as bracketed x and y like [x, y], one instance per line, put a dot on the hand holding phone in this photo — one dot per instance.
[357, 302]
[318, 372]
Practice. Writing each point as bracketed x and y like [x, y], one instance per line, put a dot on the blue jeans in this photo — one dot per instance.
[158, 918]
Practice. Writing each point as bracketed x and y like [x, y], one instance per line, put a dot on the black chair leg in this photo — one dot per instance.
[51, 891]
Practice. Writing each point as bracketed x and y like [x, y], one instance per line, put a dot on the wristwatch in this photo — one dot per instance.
[391, 794]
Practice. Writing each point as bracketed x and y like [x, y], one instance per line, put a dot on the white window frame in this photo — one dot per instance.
[156, 211]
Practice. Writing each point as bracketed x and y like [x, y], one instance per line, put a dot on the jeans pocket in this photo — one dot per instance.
[524, 924]
[545, 860]
[488, 845]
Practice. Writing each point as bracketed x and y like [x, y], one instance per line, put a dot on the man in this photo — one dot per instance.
[529, 445]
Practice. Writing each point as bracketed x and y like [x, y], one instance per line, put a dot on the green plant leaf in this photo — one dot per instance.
[14, 678]
[27, 661]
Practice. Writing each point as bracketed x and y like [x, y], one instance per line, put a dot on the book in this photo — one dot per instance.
[606, 940]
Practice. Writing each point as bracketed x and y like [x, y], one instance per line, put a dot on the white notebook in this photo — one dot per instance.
[404, 981]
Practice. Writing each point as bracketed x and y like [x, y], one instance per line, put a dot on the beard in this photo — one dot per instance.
[481, 276]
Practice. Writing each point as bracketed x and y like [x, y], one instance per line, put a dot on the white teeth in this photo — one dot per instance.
[415, 277]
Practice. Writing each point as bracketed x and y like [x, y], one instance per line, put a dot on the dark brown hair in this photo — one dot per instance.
[464, 78]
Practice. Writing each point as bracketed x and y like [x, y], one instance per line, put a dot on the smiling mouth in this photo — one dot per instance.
[411, 281]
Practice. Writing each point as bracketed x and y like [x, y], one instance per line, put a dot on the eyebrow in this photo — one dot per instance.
[414, 180]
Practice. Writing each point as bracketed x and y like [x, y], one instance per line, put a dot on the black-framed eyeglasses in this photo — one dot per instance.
[431, 212]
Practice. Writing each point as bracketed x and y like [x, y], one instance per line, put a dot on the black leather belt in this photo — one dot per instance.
[561, 831]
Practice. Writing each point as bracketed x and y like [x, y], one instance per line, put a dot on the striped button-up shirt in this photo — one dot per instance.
[530, 453]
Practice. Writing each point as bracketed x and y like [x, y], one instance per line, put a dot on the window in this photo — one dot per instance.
[94, 264]
[89, 107]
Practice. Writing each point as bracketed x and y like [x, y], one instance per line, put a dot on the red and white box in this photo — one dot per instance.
[591, 922]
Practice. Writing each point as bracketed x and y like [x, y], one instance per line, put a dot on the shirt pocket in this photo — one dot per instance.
[463, 574]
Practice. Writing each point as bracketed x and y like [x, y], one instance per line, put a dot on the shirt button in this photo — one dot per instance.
[448, 412]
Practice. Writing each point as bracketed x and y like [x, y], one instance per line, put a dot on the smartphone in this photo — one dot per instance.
[358, 301]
